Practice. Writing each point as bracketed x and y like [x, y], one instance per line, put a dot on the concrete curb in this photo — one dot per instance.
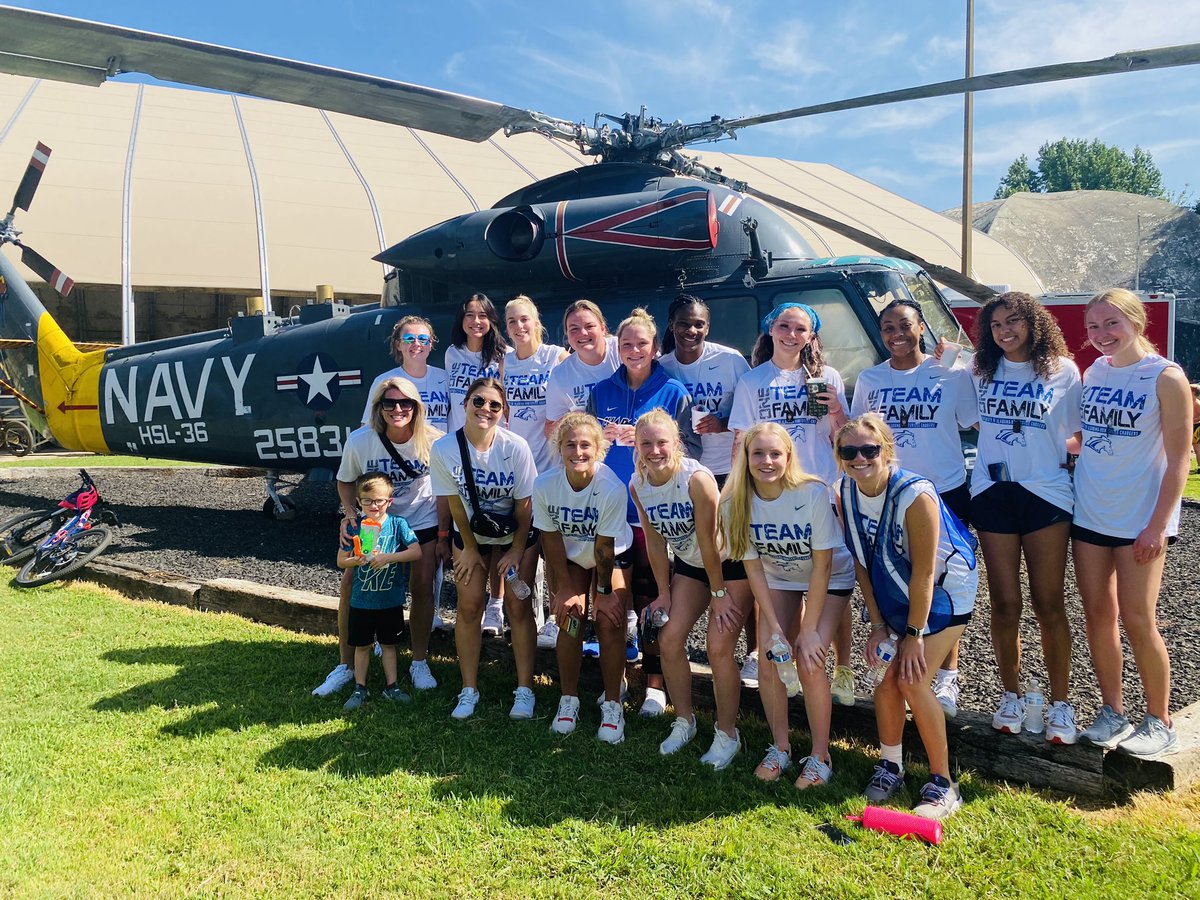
[1080, 769]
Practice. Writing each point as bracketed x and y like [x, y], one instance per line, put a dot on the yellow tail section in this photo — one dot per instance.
[70, 388]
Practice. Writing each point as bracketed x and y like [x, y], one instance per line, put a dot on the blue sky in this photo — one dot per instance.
[703, 57]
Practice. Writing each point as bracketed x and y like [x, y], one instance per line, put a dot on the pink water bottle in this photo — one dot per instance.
[901, 824]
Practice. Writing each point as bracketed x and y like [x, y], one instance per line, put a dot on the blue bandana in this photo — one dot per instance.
[769, 318]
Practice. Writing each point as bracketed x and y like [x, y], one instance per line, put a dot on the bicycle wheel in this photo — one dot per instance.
[17, 439]
[69, 556]
[20, 536]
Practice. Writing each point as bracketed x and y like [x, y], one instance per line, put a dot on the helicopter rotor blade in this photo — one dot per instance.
[29, 181]
[947, 276]
[46, 270]
[1129, 61]
[40, 44]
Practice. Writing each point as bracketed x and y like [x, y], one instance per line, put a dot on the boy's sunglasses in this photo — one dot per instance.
[416, 339]
[493, 405]
[390, 403]
[869, 451]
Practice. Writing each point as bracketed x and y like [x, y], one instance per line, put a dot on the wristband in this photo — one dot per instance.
[603, 590]
[442, 535]
[878, 625]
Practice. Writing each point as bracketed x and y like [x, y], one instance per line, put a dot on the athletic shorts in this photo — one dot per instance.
[958, 501]
[721, 479]
[425, 535]
[1079, 533]
[731, 570]
[1007, 507]
[370, 625]
[640, 575]
[534, 534]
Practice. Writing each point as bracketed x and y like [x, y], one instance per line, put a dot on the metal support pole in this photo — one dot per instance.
[968, 114]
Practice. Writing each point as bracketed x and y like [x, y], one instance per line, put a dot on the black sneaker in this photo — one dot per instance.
[358, 698]
[395, 694]
[885, 781]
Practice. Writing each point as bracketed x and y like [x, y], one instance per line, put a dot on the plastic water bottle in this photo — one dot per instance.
[885, 652]
[519, 589]
[1035, 707]
[780, 654]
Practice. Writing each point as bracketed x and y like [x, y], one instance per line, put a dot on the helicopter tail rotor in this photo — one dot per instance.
[23, 199]
[29, 182]
[46, 270]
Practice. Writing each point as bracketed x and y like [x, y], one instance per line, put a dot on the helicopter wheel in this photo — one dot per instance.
[17, 439]
[288, 513]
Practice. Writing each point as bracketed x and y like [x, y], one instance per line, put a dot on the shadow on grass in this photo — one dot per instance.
[541, 778]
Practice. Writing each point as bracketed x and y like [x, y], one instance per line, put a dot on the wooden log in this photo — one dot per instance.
[1126, 774]
[295, 610]
[144, 584]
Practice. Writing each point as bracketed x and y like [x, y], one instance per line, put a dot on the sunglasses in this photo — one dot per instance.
[493, 405]
[869, 451]
[416, 339]
[390, 403]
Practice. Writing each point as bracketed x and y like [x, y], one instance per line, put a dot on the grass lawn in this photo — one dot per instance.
[147, 749]
[95, 461]
[1192, 488]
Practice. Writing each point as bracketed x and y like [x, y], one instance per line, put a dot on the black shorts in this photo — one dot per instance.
[641, 576]
[1007, 507]
[370, 625]
[958, 501]
[721, 479]
[731, 570]
[534, 534]
[425, 535]
[1079, 533]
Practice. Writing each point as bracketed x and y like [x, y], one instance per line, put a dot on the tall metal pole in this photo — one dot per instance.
[968, 114]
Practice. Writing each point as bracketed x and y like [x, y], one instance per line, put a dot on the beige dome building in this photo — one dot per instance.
[188, 202]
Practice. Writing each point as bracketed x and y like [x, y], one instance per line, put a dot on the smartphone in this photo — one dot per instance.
[998, 471]
[573, 626]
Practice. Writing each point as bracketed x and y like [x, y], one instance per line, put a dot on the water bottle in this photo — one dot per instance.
[885, 652]
[519, 589]
[1035, 707]
[780, 654]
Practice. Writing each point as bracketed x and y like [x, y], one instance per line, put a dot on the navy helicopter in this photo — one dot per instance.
[283, 393]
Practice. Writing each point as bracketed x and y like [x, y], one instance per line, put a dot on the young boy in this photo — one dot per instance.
[380, 584]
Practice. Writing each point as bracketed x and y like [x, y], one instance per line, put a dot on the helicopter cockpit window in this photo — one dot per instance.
[733, 321]
[843, 341]
[881, 288]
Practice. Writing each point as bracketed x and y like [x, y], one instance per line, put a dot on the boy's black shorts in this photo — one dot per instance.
[370, 625]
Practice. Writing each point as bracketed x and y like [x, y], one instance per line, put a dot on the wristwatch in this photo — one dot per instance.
[603, 590]
[719, 594]
[913, 630]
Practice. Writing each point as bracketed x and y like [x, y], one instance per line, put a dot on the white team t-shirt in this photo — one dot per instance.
[785, 531]
[768, 393]
[504, 473]
[412, 498]
[581, 516]
[711, 380]
[1024, 422]
[525, 383]
[432, 388]
[462, 367]
[1122, 461]
[570, 384]
[924, 406]
[669, 509]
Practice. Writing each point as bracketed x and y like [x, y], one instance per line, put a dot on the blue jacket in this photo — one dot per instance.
[613, 402]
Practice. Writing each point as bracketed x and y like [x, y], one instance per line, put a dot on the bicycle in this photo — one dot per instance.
[46, 533]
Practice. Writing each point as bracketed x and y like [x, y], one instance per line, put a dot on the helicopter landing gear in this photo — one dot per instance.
[277, 506]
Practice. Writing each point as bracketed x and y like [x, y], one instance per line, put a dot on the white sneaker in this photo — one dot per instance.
[724, 748]
[749, 673]
[493, 619]
[1109, 728]
[624, 694]
[612, 723]
[946, 692]
[682, 731]
[1009, 715]
[468, 699]
[422, 678]
[439, 624]
[655, 703]
[547, 636]
[1153, 739]
[341, 676]
[1060, 723]
[841, 686]
[522, 707]
[567, 716]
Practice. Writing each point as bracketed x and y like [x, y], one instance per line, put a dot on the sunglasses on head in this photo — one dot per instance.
[493, 405]
[390, 403]
[416, 339]
[868, 451]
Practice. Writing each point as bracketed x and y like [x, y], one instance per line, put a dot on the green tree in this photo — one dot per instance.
[1080, 165]
[1019, 177]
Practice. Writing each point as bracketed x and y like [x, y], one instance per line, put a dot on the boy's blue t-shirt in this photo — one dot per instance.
[387, 587]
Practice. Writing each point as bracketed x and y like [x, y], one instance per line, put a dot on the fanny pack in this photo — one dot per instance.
[483, 523]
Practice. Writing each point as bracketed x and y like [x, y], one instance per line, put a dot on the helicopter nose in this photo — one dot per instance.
[431, 250]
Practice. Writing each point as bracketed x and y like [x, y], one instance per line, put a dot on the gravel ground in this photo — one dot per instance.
[203, 526]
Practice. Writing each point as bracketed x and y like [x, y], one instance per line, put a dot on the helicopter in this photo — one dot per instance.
[646, 223]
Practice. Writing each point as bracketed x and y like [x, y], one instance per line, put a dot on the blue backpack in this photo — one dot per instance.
[891, 570]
